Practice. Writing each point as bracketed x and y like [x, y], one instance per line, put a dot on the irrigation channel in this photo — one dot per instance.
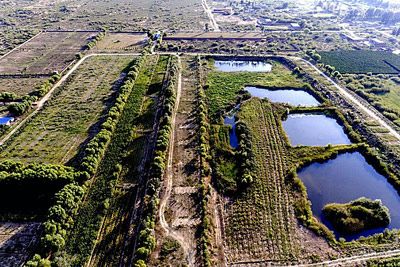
[340, 180]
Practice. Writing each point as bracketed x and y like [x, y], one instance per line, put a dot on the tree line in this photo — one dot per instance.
[60, 215]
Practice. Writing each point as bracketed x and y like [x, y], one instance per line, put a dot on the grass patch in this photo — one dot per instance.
[55, 134]
[362, 61]
[223, 87]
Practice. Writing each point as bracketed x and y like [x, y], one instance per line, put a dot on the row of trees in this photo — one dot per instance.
[245, 156]
[61, 214]
[146, 238]
[204, 151]
[95, 40]
[24, 104]
[16, 174]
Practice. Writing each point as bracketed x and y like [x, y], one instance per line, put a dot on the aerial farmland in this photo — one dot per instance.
[199, 133]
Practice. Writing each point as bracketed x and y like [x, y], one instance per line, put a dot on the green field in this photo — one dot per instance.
[362, 61]
[223, 87]
[55, 134]
[126, 149]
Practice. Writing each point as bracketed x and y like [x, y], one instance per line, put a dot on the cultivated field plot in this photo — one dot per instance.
[9, 38]
[260, 223]
[56, 132]
[217, 35]
[362, 61]
[177, 15]
[115, 15]
[20, 86]
[46, 53]
[122, 42]
[16, 241]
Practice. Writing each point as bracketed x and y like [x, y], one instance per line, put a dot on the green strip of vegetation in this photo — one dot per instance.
[57, 229]
[146, 241]
[204, 140]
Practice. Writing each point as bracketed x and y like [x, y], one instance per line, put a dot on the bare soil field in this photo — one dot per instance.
[181, 213]
[16, 242]
[20, 86]
[177, 15]
[55, 134]
[45, 54]
[122, 42]
[128, 16]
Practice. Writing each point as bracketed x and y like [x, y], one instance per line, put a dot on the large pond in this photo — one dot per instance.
[241, 65]
[289, 96]
[314, 130]
[346, 178]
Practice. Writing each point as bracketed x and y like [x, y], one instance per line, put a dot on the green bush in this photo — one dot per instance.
[357, 215]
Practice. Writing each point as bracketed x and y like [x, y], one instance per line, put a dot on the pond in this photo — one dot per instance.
[346, 178]
[289, 96]
[241, 65]
[314, 130]
[233, 140]
[6, 120]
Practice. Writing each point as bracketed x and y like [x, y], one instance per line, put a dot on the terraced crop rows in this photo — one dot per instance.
[260, 222]
[56, 132]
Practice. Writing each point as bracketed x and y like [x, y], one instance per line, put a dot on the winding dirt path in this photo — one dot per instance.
[168, 183]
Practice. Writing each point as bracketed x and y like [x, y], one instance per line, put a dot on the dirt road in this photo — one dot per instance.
[168, 183]
[354, 100]
[210, 15]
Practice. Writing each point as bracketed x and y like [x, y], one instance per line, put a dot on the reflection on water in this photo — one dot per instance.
[347, 178]
[289, 96]
[240, 65]
[314, 130]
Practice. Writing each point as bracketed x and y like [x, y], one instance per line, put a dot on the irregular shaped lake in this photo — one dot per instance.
[347, 178]
[241, 65]
[314, 130]
[289, 96]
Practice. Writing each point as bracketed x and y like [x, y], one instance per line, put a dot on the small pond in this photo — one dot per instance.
[241, 65]
[233, 140]
[6, 120]
[346, 178]
[314, 130]
[289, 96]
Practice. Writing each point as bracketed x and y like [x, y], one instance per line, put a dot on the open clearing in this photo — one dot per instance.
[20, 86]
[16, 242]
[56, 132]
[46, 53]
[122, 42]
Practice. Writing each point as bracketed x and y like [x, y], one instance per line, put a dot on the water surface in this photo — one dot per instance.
[289, 96]
[241, 65]
[347, 178]
[314, 130]
[233, 140]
